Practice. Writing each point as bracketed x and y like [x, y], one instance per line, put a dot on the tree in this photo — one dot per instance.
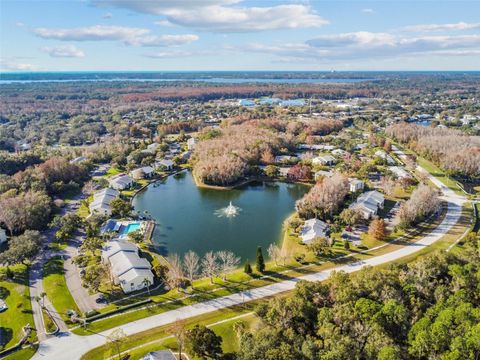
[94, 276]
[191, 263]
[121, 208]
[175, 271]
[324, 199]
[136, 236]
[319, 246]
[377, 229]
[299, 172]
[210, 265]
[228, 262]
[179, 330]
[204, 343]
[274, 253]
[260, 262]
[350, 217]
[147, 283]
[115, 342]
[423, 202]
[247, 268]
[22, 248]
[272, 171]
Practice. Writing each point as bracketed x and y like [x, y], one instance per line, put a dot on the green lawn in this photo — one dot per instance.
[439, 174]
[24, 354]
[112, 172]
[159, 333]
[16, 294]
[56, 287]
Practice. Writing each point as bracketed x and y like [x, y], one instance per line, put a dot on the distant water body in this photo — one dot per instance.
[218, 80]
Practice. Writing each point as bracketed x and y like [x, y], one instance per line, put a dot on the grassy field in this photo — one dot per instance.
[16, 294]
[439, 174]
[155, 338]
[56, 287]
[24, 354]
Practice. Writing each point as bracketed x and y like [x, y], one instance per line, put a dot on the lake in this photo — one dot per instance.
[188, 217]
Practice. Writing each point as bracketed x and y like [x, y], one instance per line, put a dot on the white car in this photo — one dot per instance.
[3, 305]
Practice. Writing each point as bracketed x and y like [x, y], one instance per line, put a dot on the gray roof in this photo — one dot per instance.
[114, 247]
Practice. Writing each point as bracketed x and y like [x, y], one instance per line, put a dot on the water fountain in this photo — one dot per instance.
[229, 211]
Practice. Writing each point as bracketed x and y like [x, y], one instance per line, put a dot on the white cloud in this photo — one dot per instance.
[180, 54]
[162, 40]
[128, 35]
[66, 51]
[443, 27]
[12, 64]
[220, 16]
[368, 11]
[91, 33]
[107, 15]
[366, 45]
[19, 24]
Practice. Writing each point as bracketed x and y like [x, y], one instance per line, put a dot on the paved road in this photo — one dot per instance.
[83, 299]
[35, 283]
[70, 346]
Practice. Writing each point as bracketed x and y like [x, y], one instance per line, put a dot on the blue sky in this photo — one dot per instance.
[239, 35]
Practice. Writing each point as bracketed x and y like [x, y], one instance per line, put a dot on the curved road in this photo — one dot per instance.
[70, 346]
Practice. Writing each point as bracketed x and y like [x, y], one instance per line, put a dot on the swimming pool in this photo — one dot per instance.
[131, 227]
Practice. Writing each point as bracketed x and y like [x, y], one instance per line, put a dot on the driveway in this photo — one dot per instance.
[83, 299]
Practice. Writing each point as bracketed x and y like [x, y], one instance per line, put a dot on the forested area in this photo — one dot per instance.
[227, 155]
[427, 309]
[451, 149]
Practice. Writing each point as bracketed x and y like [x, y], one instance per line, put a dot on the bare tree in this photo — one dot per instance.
[175, 272]
[228, 262]
[191, 263]
[179, 330]
[283, 255]
[274, 253]
[210, 265]
[115, 342]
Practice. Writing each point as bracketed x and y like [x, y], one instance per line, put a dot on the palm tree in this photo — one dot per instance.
[146, 282]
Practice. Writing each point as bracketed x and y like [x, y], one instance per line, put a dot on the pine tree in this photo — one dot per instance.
[260, 265]
[247, 268]
[377, 229]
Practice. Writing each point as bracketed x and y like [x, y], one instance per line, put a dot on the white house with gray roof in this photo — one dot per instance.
[101, 201]
[127, 268]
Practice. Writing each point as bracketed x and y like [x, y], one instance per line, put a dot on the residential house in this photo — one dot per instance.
[121, 182]
[3, 236]
[127, 268]
[368, 203]
[383, 155]
[326, 160]
[313, 228]
[285, 159]
[165, 164]
[142, 173]
[101, 201]
[399, 172]
[191, 143]
[152, 148]
[355, 184]
[339, 152]
[323, 174]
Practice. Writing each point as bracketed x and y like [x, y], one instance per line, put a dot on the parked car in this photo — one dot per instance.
[3, 305]
[101, 299]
